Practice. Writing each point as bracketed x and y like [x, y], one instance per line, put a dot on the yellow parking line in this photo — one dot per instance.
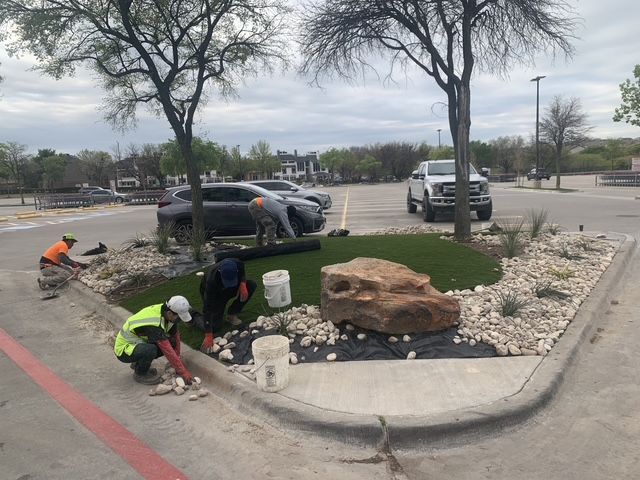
[343, 224]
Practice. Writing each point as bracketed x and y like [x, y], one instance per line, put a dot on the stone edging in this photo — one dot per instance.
[402, 432]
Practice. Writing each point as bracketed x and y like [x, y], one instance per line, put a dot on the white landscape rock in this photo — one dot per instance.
[332, 357]
[225, 356]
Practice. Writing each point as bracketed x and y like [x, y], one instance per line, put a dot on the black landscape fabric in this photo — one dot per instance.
[375, 347]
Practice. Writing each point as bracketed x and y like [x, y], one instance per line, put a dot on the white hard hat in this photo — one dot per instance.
[180, 305]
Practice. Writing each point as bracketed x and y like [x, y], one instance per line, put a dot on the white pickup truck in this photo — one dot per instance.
[433, 186]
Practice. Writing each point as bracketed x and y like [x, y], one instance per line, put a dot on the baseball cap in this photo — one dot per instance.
[69, 236]
[180, 305]
[228, 273]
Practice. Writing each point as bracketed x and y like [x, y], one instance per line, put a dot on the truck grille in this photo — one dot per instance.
[449, 189]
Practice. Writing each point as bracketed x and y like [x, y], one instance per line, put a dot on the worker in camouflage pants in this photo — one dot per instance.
[267, 212]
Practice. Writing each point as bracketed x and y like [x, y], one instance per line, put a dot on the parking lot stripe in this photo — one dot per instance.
[343, 223]
[143, 459]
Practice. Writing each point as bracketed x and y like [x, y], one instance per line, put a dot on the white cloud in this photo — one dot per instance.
[289, 114]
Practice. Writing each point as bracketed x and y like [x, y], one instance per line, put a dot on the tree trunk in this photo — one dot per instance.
[193, 177]
[558, 157]
[462, 229]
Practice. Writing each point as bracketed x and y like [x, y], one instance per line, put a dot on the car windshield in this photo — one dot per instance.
[446, 168]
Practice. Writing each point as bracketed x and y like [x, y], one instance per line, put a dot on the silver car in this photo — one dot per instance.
[226, 211]
[290, 189]
[107, 196]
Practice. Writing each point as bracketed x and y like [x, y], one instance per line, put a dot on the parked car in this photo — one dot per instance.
[107, 196]
[226, 210]
[90, 188]
[290, 189]
[538, 175]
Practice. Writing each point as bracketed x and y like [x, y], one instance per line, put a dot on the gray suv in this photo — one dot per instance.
[290, 189]
[226, 211]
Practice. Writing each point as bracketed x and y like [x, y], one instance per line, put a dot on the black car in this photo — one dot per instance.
[538, 174]
[226, 211]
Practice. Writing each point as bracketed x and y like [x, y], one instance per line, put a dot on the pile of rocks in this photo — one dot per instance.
[177, 385]
[569, 265]
[120, 268]
[418, 229]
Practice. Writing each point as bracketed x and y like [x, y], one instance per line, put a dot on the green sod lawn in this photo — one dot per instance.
[450, 265]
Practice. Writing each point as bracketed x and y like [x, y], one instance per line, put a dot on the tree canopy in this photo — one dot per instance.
[629, 111]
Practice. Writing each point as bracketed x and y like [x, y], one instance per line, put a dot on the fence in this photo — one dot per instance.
[145, 198]
[618, 180]
[62, 200]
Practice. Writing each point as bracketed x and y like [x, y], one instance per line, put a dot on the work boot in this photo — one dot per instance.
[151, 377]
[234, 320]
[42, 285]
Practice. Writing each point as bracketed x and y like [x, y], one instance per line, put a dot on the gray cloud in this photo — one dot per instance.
[289, 114]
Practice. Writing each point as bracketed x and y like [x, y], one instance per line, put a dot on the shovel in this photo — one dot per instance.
[54, 293]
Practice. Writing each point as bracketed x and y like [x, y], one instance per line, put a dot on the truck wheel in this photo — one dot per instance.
[428, 214]
[485, 214]
[411, 207]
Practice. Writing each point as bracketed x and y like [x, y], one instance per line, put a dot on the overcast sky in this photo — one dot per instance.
[44, 113]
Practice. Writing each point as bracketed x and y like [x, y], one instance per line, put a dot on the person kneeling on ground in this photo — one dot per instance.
[267, 212]
[152, 333]
[224, 281]
[55, 264]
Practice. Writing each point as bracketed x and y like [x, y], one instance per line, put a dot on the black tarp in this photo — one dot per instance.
[375, 347]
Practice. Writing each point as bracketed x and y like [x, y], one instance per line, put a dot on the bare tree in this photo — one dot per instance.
[446, 39]
[564, 124]
[14, 159]
[162, 54]
[96, 165]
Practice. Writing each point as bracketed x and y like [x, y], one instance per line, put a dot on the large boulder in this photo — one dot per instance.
[384, 296]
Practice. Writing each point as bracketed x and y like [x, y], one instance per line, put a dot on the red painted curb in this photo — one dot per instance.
[132, 450]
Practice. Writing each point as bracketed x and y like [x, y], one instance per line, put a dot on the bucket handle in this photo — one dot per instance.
[269, 297]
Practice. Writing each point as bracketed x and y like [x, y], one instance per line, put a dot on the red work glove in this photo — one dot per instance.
[243, 292]
[170, 354]
[207, 343]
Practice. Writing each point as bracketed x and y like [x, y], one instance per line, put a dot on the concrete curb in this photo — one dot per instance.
[401, 432]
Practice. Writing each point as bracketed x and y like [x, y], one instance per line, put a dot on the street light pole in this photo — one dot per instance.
[537, 80]
[439, 130]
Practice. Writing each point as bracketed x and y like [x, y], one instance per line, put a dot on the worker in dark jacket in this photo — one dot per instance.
[55, 264]
[224, 281]
[152, 333]
[267, 213]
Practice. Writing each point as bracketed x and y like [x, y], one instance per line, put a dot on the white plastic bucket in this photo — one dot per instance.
[271, 358]
[276, 288]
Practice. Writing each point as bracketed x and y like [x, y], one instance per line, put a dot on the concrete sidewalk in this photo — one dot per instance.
[408, 403]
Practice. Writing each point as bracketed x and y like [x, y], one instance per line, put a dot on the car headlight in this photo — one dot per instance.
[437, 188]
[309, 208]
[484, 187]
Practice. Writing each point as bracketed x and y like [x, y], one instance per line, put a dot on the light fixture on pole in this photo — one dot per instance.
[537, 80]
[439, 130]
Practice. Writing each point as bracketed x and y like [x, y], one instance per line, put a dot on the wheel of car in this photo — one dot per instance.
[411, 207]
[485, 214]
[118, 199]
[428, 214]
[182, 233]
[296, 226]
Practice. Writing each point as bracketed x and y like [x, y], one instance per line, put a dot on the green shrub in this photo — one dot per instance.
[511, 303]
[537, 220]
